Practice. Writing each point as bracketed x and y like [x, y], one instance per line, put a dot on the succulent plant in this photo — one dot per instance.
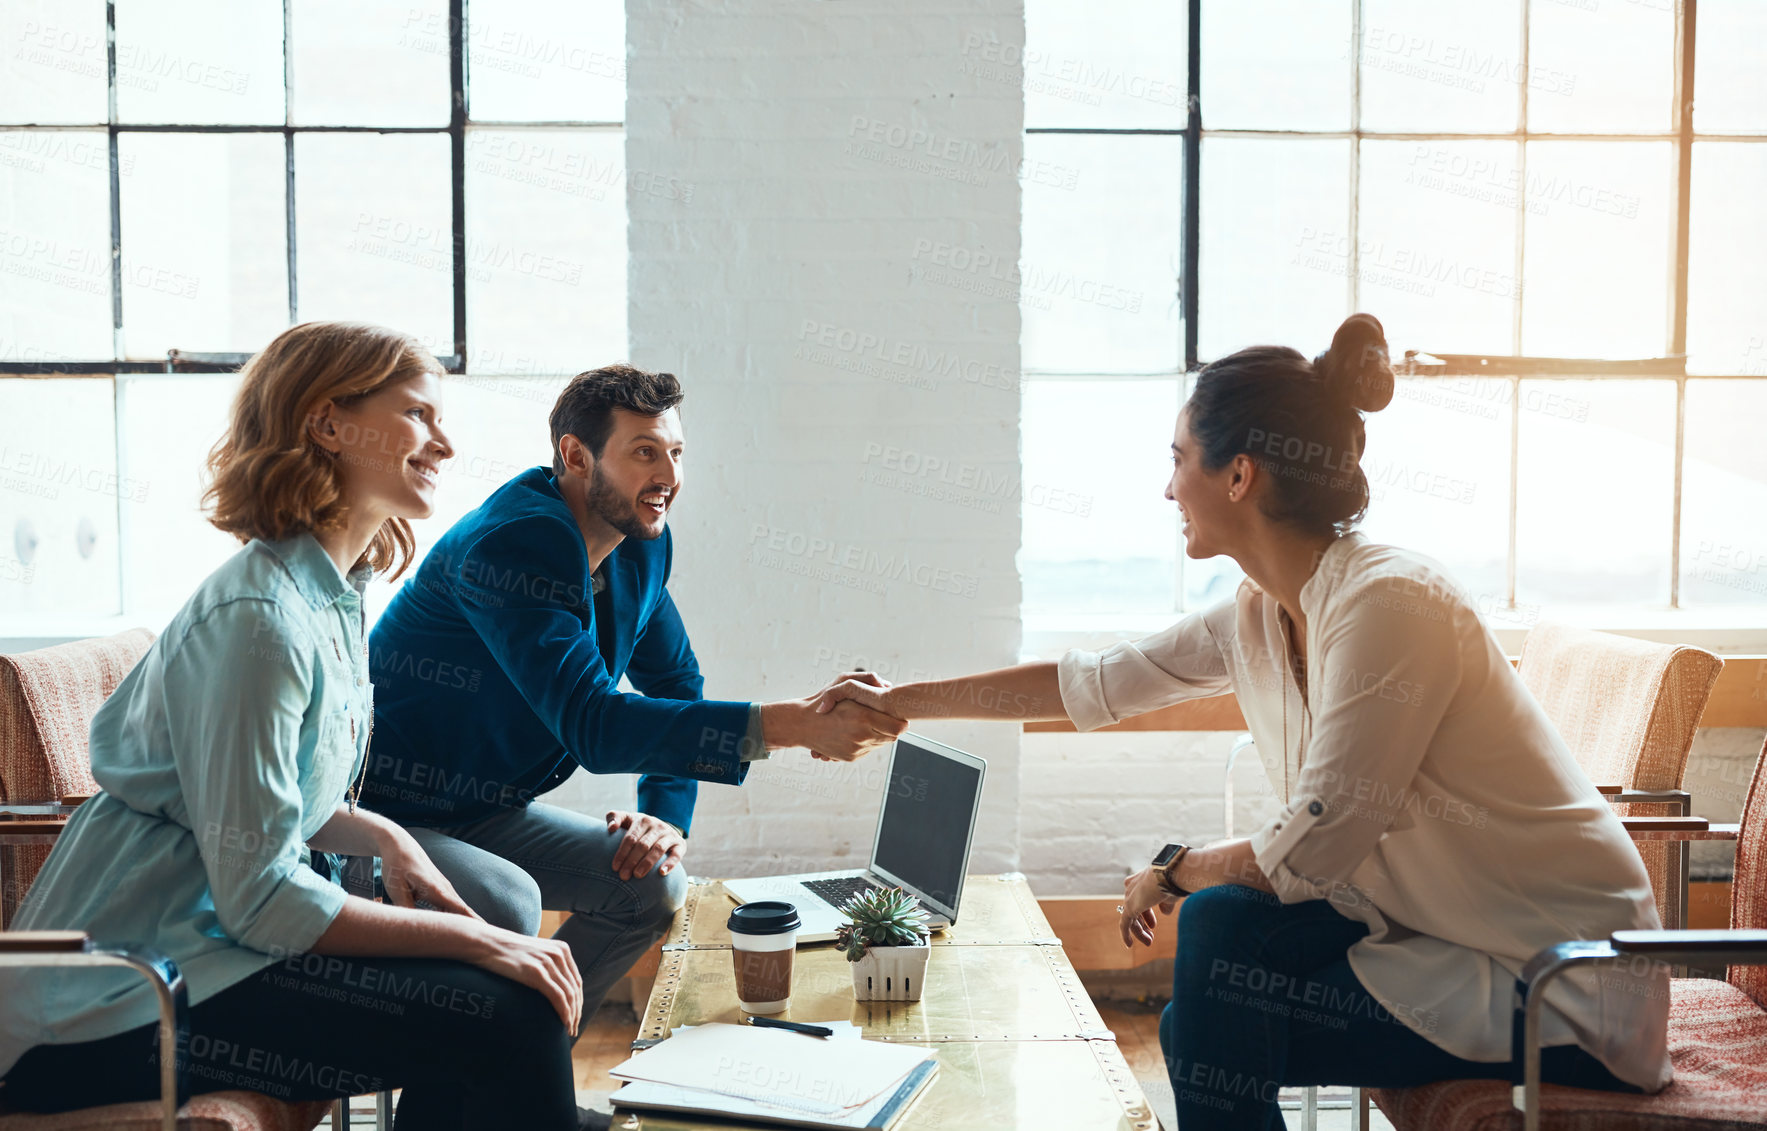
[880, 917]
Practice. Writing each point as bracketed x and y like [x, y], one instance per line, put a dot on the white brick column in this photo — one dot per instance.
[810, 185]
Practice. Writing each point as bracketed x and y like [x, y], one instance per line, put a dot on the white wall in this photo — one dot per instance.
[786, 160]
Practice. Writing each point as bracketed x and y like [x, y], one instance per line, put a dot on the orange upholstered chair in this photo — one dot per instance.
[1717, 1029]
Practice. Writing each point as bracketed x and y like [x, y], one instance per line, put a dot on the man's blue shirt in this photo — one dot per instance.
[494, 678]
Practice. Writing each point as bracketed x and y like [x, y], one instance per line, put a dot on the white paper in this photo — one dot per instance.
[772, 1066]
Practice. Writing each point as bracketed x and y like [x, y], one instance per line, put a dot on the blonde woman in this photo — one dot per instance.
[1435, 832]
[235, 747]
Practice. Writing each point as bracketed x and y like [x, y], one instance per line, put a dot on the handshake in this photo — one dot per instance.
[841, 723]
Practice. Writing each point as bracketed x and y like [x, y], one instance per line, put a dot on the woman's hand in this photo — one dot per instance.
[543, 964]
[1141, 894]
[410, 875]
[863, 687]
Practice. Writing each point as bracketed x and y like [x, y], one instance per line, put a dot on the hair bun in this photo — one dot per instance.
[1356, 369]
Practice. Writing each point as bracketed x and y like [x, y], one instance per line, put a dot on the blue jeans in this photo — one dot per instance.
[517, 862]
[1263, 997]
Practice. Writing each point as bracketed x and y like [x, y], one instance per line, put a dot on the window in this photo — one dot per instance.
[171, 200]
[1509, 187]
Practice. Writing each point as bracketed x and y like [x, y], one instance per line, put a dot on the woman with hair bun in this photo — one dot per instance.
[1435, 832]
[237, 745]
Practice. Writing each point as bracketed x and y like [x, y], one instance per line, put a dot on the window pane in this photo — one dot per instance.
[1596, 486]
[370, 62]
[1596, 243]
[52, 62]
[1276, 245]
[1437, 243]
[1118, 64]
[374, 231]
[545, 249]
[1729, 82]
[1276, 64]
[55, 245]
[1437, 464]
[1724, 493]
[59, 495]
[205, 260]
[542, 61]
[1440, 67]
[1099, 279]
[1099, 536]
[169, 425]
[1598, 69]
[215, 61]
[1726, 289]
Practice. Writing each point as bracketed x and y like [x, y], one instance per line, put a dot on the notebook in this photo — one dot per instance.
[774, 1076]
[880, 1114]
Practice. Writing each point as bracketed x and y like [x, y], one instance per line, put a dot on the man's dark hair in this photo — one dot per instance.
[586, 407]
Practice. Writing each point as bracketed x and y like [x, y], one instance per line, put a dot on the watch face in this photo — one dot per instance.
[1165, 855]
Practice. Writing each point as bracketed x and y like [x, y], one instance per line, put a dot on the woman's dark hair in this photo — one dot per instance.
[1300, 421]
[586, 407]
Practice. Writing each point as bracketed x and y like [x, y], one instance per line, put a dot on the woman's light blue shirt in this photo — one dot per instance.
[227, 747]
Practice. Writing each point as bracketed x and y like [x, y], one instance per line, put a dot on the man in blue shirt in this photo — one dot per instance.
[496, 674]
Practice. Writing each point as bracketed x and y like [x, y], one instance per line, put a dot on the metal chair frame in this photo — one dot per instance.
[161, 972]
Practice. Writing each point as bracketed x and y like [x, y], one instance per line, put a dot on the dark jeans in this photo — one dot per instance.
[472, 1049]
[1263, 997]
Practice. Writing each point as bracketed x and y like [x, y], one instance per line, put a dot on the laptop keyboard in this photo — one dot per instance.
[838, 890]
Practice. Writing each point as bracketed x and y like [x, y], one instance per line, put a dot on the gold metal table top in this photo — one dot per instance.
[1019, 1042]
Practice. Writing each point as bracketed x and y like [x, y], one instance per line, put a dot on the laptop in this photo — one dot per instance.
[924, 830]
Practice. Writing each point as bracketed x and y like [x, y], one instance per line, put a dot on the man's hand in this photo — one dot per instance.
[849, 731]
[1141, 894]
[648, 841]
[409, 875]
[842, 734]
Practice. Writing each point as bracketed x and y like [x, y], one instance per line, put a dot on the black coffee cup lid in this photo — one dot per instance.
[764, 917]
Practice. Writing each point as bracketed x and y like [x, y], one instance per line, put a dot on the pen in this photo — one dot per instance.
[794, 1026]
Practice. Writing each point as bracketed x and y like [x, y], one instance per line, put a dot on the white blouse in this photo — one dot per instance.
[1427, 796]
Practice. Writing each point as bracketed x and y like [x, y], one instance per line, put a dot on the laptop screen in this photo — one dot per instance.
[923, 834]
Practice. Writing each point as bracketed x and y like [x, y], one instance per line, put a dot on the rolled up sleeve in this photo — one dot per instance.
[1185, 661]
[237, 690]
[1388, 666]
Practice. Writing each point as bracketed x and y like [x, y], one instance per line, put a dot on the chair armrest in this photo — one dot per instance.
[1678, 829]
[1733, 948]
[74, 948]
[42, 942]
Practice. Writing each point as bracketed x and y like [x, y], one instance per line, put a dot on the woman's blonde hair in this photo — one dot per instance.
[268, 478]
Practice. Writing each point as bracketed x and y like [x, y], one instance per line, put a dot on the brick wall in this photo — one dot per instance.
[852, 430]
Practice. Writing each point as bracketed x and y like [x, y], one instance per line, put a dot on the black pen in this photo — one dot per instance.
[794, 1026]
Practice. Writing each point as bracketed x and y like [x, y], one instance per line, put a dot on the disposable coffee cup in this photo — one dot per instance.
[765, 938]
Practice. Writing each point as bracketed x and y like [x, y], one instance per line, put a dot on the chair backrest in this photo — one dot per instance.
[1627, 708]
[1748, 889]
[47, 700]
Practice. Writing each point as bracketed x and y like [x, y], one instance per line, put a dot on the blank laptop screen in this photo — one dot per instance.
[925, 825]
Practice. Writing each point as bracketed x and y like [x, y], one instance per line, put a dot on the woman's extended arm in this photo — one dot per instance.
[1026, 693]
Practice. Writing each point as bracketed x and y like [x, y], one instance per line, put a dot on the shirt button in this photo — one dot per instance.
[1315, 808]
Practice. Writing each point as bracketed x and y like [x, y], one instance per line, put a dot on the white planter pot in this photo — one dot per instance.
[891, 973]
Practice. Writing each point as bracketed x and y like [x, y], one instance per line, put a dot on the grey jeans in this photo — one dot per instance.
[515, 863]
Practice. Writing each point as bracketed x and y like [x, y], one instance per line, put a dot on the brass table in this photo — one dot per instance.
[1019, 1043]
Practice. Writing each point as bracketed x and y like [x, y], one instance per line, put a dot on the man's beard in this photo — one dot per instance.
[606, 504]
